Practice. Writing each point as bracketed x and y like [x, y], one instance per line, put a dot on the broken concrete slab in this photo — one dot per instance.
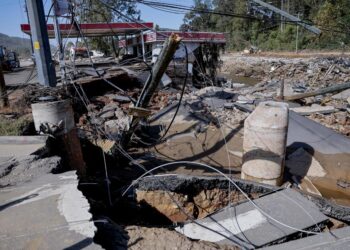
[25, 168]
[314, 108]
[307, 185]
[244, 100]
[337, 239]
[22, 145]
[198, 196]
[301, 163]
[303, 131]
[46, 213]
[344, 95]
[244, 225]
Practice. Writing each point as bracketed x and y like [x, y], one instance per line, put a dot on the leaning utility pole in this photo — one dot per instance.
[166, 55]
[3, 93]
[288, 16]
[45, 65]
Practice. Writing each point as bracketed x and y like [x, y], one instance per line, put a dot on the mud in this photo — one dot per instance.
[337, 167]
[185, 143]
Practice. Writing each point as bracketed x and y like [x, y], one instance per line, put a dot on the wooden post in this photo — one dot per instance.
[3, 93]
[159, 68]
[331, 89]
[143, 47]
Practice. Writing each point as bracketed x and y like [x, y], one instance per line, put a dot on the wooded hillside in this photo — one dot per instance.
[253, 28]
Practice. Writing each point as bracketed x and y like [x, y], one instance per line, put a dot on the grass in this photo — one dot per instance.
[13, 126]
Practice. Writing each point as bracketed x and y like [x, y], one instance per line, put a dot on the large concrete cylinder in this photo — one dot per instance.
[57, 118]
[264, 144]
[57, 113]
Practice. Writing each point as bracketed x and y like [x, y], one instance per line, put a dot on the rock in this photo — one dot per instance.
[330, 119]
[96, 120]
[110, 106]
[178, 96]
[344, 95]
[120, 98]
[342, 118]
[108, 114]
[244, 100]
[237, 85]
[343, 183]
[116, 127]
[229, 105]
[314, 108]
[119, 114]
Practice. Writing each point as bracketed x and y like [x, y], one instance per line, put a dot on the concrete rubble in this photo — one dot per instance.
[40, 209]
[244, 225]
[185, 206]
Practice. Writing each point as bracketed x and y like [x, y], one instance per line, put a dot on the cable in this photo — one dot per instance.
[169, 164]
[203, 165]
[49, 12]
[107, 178]
[93, 65]
[123, 152]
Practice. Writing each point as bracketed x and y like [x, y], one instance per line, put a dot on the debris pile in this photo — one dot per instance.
[179, 175]
[293, 76]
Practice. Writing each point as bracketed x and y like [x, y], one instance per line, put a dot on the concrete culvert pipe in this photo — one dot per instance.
[57, 118]
[264, 144]
[57, 115]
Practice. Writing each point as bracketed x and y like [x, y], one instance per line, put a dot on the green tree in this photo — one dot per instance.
[198, 19]
[331, 16]
[93, 11]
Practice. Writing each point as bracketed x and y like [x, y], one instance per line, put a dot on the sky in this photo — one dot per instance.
[12, 14]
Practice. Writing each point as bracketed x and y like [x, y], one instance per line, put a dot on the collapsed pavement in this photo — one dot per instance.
[207, 129]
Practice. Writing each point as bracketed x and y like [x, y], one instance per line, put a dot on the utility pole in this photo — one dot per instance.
[45, 65]
[143, 47]
[166, 55]
[3, 92]
[59, 42]
[288, 16]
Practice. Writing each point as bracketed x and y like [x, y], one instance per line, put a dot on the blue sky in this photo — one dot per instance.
[12, 14]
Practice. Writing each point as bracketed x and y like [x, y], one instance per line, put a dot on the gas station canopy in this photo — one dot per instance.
[94, 29]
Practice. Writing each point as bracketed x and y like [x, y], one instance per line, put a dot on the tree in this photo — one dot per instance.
[93, 11]
[198, 19]
[331, 16]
